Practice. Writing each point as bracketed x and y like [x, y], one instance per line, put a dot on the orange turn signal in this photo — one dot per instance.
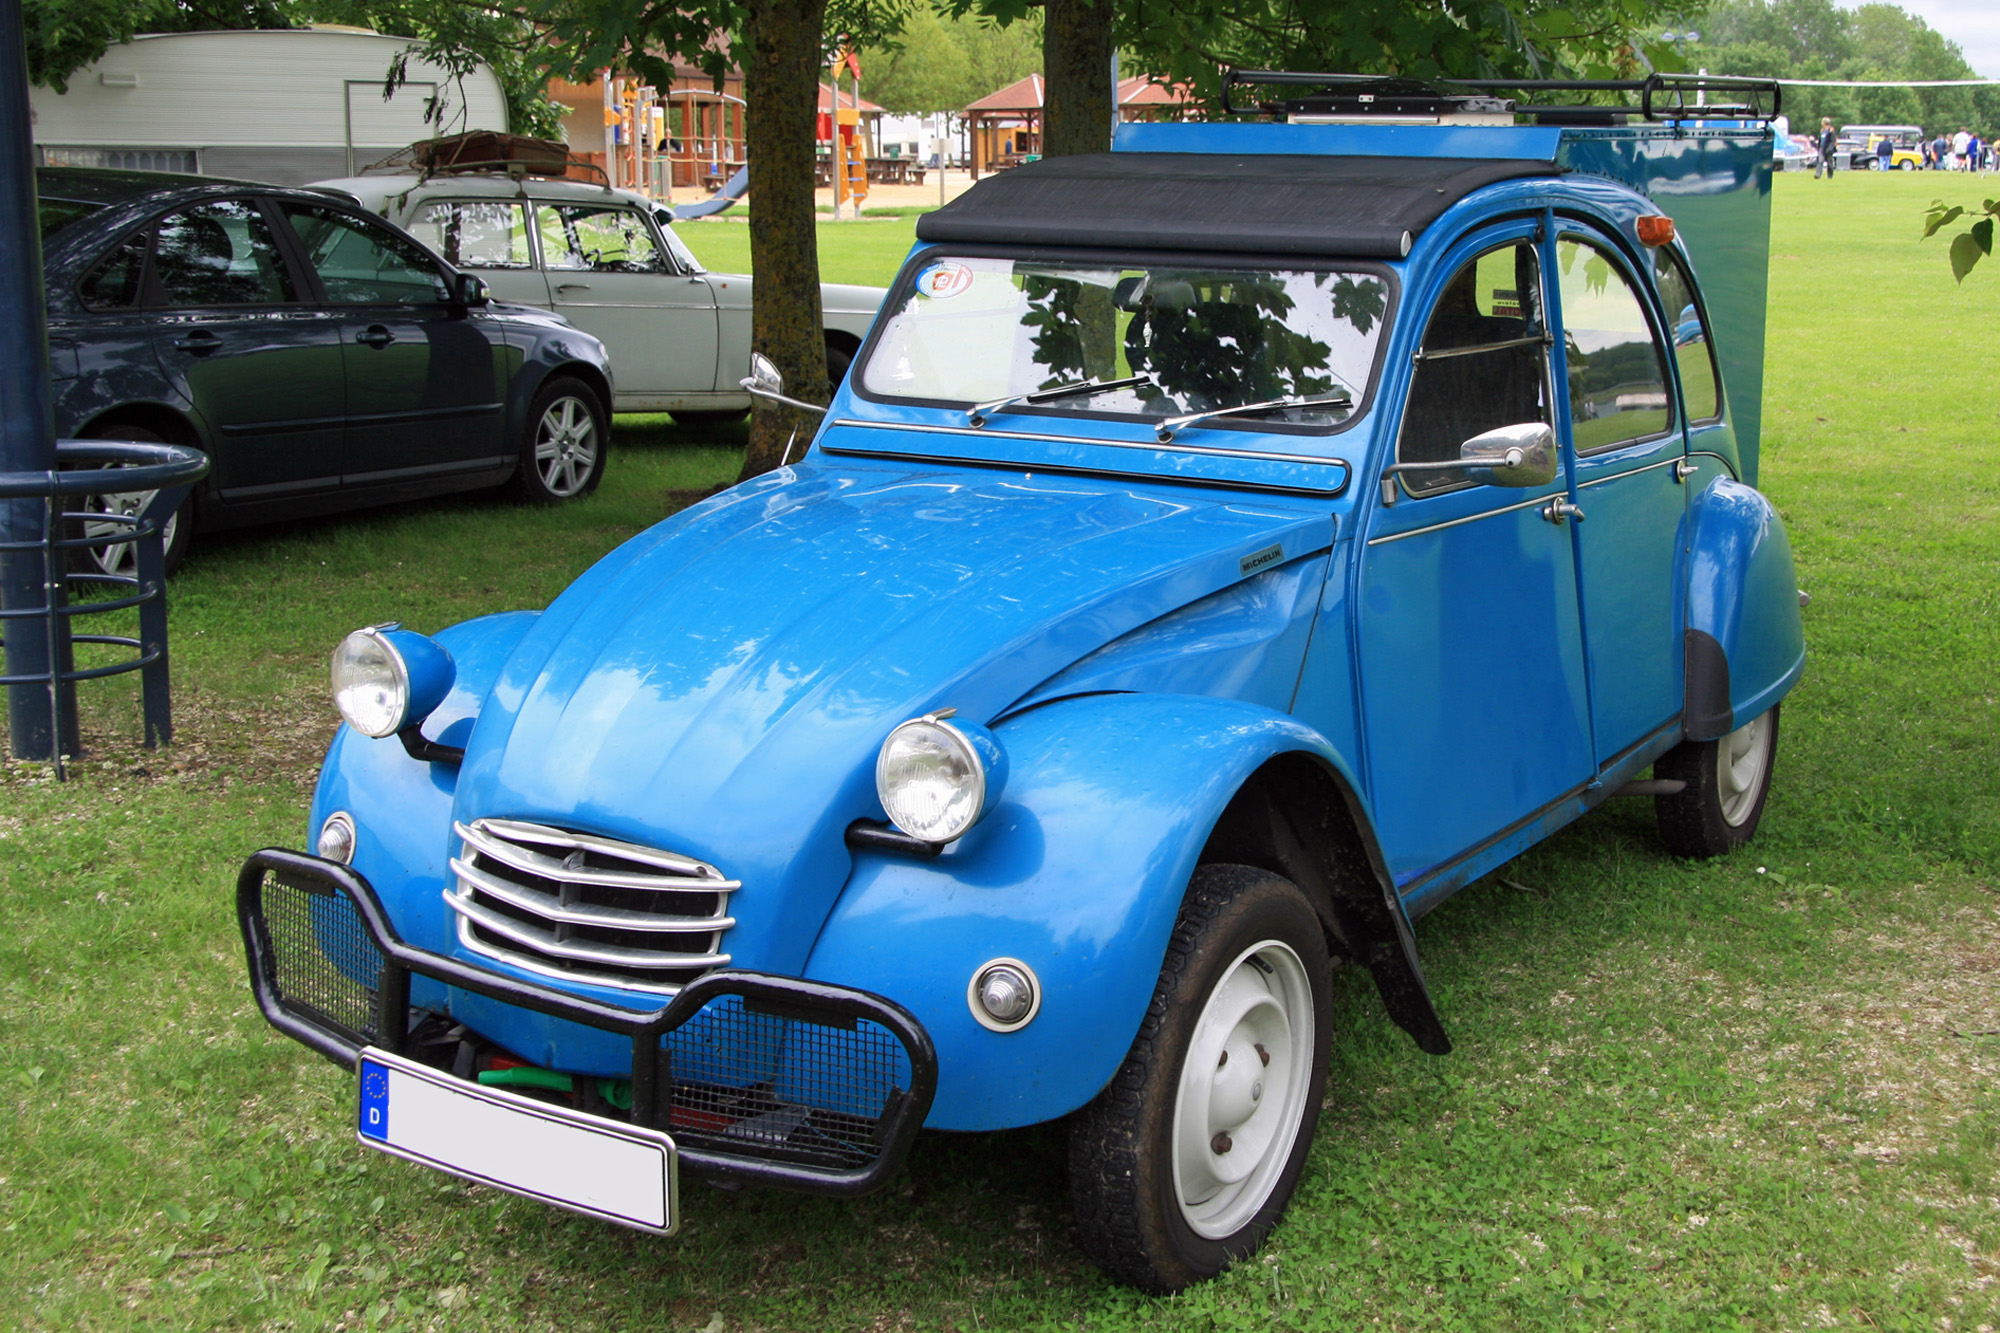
[1656, 230]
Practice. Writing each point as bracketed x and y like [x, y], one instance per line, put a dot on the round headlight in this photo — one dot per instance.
[930, 779]
[371, 685]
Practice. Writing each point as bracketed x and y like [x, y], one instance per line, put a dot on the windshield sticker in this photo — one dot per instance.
[941, 282]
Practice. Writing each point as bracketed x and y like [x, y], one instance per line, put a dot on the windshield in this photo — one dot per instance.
[972, 331]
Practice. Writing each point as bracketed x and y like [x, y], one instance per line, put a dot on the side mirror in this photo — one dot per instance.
[1518, 456]
[469, 291]
[764, 380]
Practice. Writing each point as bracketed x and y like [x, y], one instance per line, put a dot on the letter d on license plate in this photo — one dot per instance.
[589, 1165]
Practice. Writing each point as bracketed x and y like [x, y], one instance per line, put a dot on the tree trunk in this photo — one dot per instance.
[781, 73]
[1076, 62]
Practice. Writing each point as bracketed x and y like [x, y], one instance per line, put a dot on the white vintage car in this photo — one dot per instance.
[608, 261]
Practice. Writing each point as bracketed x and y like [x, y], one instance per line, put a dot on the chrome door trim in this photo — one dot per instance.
[1615, 476]
[1541, 499]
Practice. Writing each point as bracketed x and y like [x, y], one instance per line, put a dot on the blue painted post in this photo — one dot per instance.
[27, 432]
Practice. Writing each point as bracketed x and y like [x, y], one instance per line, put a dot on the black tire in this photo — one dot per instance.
[1719, 808]
[1906, 165]
[121, 558]
[838, 358]
[563, 444]
[705, 417]
[1239, 929]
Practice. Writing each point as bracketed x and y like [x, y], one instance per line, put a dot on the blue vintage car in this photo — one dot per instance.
[1209, 566]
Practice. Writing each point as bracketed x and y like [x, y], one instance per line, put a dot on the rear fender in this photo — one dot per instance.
[1078, 872]
[1745, 641]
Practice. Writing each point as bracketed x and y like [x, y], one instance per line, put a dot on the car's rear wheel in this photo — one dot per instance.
[1906, 165]
[1184, 1163]
[564, 445]
[122, 558]
[1726, 782]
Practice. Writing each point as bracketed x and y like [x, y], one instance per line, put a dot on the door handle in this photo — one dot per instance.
[1556, 510]
[572, 286]
[201, 344]
[375, 336]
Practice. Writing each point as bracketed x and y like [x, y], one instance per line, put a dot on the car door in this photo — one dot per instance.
[425, 376]
[230, 325]
[1627, 448]
[490, 237]
[610, 275]
[1474, 702]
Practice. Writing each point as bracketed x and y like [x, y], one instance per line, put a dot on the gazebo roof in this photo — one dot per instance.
[1020, 95]
[1024, 95]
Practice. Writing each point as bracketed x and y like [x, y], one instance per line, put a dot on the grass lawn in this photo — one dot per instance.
[866, 251]
[1753, 1093]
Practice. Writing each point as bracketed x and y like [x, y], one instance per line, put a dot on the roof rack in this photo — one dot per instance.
[1661, 97]
[482, 152]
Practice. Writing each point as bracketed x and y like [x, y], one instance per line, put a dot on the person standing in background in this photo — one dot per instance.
[1939, 147]
[1959, 143]
[1885, 151]
[1827, 142]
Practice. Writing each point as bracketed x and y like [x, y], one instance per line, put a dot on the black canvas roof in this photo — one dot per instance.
[1362, 207]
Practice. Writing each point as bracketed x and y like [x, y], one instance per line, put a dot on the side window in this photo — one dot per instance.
[1481, 366]
[361, 263]
[475, 234]
[1617, 377]
[596, 239]
[113, 284]
[219, 253]
[1695, 355]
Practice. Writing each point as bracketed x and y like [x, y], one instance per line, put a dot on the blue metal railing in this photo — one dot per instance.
[87, 468]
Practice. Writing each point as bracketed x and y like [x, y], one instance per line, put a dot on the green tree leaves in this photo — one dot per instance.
[1971, 245]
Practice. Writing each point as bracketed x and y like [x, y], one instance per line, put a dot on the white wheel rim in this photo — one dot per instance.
[1237, 1113]
[566, 446]
[1740, 760]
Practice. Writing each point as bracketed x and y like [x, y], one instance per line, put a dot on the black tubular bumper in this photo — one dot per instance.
[783, 1082]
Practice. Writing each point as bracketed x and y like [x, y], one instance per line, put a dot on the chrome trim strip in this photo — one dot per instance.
[1152, 446]
[1469, 518]
[550, 907]
[700, 876]
[1650, 467]
[545, 942]
[575, 976]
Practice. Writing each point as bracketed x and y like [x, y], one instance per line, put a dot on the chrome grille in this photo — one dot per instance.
[587, 908]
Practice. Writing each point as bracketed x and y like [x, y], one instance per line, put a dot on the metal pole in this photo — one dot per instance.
[27, 431]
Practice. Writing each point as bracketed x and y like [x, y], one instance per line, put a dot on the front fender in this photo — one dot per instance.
[1079, 872]
[1745, 642]
[402, 806]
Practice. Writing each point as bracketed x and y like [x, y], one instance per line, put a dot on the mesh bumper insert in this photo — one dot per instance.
[758, 1078]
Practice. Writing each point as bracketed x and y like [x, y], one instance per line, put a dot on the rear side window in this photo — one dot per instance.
[1701, 389]
[1482, 365]
[361, 263]
[475, 233]
[219, 254]
[1617, 377]
[113, 284]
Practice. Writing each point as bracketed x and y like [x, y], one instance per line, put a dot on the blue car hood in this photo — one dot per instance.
[719, 685]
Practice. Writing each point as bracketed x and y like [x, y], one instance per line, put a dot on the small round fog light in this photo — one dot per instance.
[1004, 994]
[336, 837]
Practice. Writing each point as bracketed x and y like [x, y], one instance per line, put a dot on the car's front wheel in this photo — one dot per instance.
[1185, 1162]
[1725, 784]
[564, 446]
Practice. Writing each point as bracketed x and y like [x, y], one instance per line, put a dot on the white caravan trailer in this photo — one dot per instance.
[284, 107]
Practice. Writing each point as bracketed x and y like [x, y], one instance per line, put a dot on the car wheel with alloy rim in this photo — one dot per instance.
[563, 453]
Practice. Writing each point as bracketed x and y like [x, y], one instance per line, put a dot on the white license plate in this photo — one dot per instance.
[598, 1167]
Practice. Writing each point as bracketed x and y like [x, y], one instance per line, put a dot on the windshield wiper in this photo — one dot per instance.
[977, 415]
[1173, 425]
